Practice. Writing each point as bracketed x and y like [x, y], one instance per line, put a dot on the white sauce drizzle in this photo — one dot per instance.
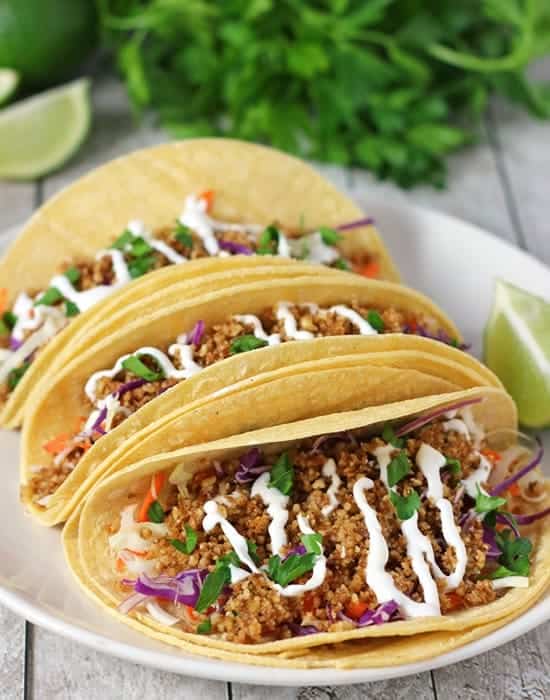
[284, 314]
[480, 476]
[364, 327]
[283, 247]
[213, 516]
[138, 228]
[276, 503]
[329, 470]
[319, 568]
[457, 425]
[259, 332]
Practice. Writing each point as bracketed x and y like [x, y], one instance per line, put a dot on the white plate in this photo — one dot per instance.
[453, 262]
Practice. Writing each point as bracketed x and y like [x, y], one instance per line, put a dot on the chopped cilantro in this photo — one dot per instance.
[139, 247]
[125, 239]
[188, 545]
[182, 234]
[244, 343]
[229, 558]
[253, 551]
[313, 542]
[71, 309]
[486, 503]
[135, 365]
[398, 468]
[155, 513]
[502, 572]
[342, 264]
[140, 266]
[453, 465]
[282, 475]
[216, 580]
[4, 330]
[375, 320]
[15, 375]
[204, 627]
[389, 436]
[72, 274]
[268, 243]
[50, 297]
[10, 319]
[406, 506]
[515, 552]
[294, 566]
[329, 236]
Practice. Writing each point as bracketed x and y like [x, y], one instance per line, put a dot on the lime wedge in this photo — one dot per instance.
[39, 134]
[9, 80]
[517, 349]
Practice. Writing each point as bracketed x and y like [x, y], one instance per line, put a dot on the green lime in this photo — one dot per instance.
[46, 40]
[9, 80]
[39, 134]
[517, 349]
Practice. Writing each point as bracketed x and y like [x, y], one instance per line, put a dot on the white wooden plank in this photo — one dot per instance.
[524, 145]
[418, 687]
[12, 655]
[473, 191]
[516, 671]
[63, 670]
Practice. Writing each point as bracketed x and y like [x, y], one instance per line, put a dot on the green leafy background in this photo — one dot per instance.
[390, 85]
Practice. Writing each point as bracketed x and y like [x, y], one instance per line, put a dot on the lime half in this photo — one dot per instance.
[517, 349]
[9, 80]
[39, 134]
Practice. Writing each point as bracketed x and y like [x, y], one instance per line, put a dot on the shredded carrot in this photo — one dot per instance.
[57, 444]
[514, 490]
[355, 609]
[370, 269]
[491, 455]
[208, 195]
[120, 565]
[3, 299]
[191, 612]
[157, 482]
[455, 600]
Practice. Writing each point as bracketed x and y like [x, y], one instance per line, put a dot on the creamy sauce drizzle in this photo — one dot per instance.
[259, 332]
[329, 470]
[276, 503]
[353, 317]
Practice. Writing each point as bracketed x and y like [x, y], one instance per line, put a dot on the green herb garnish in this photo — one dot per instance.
[282, 475]
[406, 506]
[139, 247]
[15, 375]
[124, 240]
[453, 465]
[155, 513]
[188, 545]
[182, 234]
[389, 436]
[294, 566]
[50, 297]
[135, 365]
[398, 468]
[268, 242]
[204, 627]
[313, 542]
[10, 319]
[216, 580]
[376, 321]
[486, 503]
[515, 552]
[253, 551]
[329, 236]
[72, 274]
[141, 266]
[245, 343]
[341, 264]
[71, 309]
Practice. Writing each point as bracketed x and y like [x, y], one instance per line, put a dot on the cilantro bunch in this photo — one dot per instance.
[390, 85]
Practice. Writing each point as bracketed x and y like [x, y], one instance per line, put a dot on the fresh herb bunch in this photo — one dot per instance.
[391, 85]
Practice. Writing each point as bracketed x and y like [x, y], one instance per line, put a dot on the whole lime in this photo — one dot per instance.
[46, 40]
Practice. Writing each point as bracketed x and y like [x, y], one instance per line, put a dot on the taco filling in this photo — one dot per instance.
[113, 394]
[35, 318]
[334, 533]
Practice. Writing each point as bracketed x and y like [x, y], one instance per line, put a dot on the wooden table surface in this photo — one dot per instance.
[502, 184]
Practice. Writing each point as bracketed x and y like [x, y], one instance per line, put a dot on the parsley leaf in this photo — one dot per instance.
[376, 321]
[329, 236]
[398, 468]
[313, 542]
[72, 274]
[282, 475]
[245, 343]
[140, 266]
[124, 240]
[135, 365]
[71, 309]
[486, 503]
[406, 506]
[182, 234]
[268, 242]
[155, 513]
[389, 436]
[188, 545]
[453, 465]
[139, 247]
[515, 552]
[294, 566]
[212, 587]
[50, 297]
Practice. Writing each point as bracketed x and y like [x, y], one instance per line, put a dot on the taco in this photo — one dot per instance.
[172, 345]
[326, 541]
[86, 243]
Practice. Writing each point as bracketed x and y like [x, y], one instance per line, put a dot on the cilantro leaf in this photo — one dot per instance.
[213, 585]
[406, 506]
[139, 247]
[50, 297]
[329, 236]
[10, 319]
[135, 365]
[282, 475]
[124, 240]
[313, 542]
[486, 503]
[71, 309]
[141, 266]
[398, 468]
[515, 552]
[253, 551]
[204, 627]
[72, 274]
[16, 375]
[188, 545]
[155, 513]
[268, 242]
[376, 321]
[341, 264]
[182, 234]
[453, 465]
[389, 436]
[245, 343]
[294, 566]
